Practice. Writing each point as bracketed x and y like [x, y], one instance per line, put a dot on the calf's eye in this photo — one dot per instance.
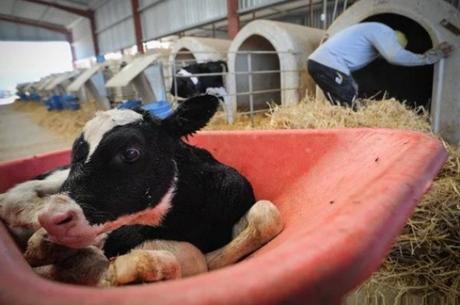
[131, 154]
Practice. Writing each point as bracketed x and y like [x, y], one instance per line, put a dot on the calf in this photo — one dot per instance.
[139, 191]
[20, 206]
[186, 85]
[189, 86]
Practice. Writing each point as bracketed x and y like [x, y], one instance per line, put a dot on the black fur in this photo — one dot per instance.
[186, 88]
[210, 197]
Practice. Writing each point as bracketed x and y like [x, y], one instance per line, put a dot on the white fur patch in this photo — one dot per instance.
[103, 122]
[20, 205]
[220, 92]
[183, 72]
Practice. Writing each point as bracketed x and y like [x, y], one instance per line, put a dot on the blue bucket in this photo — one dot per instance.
[70, 102]
[22, 96]
[54, 103]
[34, 97]
[130, 104]
[160, 109]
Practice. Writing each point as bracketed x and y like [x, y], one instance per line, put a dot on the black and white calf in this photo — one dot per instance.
[134, 184]
[187, 84]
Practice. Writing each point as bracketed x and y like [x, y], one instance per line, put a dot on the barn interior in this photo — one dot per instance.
[310, 158]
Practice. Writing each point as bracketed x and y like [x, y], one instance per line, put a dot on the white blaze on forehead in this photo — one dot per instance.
[105, 121]
[183, 72]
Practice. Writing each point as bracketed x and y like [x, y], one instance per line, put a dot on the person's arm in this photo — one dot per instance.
[390, 49]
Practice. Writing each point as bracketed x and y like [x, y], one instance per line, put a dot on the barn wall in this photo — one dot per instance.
[168, 17]
[114, 26]
[82, 39]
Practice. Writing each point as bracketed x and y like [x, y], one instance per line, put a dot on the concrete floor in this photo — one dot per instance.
[21, 137]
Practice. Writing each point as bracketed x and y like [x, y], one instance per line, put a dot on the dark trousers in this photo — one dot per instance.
[339, 88]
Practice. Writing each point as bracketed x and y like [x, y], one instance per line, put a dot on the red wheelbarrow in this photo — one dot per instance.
[344, 196]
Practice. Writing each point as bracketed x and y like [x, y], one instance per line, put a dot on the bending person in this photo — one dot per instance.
[357, 46]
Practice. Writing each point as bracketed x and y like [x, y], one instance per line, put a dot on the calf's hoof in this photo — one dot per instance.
[142, 266]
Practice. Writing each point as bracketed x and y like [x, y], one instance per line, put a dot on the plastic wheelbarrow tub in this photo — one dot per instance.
[344, 196]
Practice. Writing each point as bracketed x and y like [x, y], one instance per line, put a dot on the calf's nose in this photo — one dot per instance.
[65, 223]
[58, 222]
[59, 215]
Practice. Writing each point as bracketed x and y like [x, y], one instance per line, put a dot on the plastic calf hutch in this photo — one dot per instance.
[190, 50]
[280, 50]
[344, 196]
[425, 23]
[198, 49]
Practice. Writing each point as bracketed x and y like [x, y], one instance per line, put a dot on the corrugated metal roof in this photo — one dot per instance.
[18, 19]
[41, 12]
[18, 32]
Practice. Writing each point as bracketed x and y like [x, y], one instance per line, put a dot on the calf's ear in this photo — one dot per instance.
[191, 115]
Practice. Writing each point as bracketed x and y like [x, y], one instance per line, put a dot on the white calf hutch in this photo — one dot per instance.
[196, 49]
[267, 63]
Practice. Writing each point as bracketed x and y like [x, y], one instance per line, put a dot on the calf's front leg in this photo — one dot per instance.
[151, 261]
[260, 225]
[55, 262]
[155, 261]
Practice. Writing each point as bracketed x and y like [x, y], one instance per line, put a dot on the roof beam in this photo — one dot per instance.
[44, 25]
[31, 22]
[73, 10]
[137, 26]
[76, 11]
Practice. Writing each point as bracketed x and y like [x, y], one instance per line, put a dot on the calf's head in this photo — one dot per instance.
[122, 164]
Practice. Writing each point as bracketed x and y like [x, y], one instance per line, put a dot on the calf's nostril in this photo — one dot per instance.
[61, 219]
[68, 219]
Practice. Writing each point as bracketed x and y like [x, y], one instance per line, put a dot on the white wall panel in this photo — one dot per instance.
[161, 18]
[114, 26]
[82, 39]
[244, 5]
[6, 6]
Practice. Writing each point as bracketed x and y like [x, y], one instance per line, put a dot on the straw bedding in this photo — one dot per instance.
[66, 124]
[424, 265]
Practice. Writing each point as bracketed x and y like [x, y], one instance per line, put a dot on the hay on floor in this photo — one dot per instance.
[66, 123]
[424, 264]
